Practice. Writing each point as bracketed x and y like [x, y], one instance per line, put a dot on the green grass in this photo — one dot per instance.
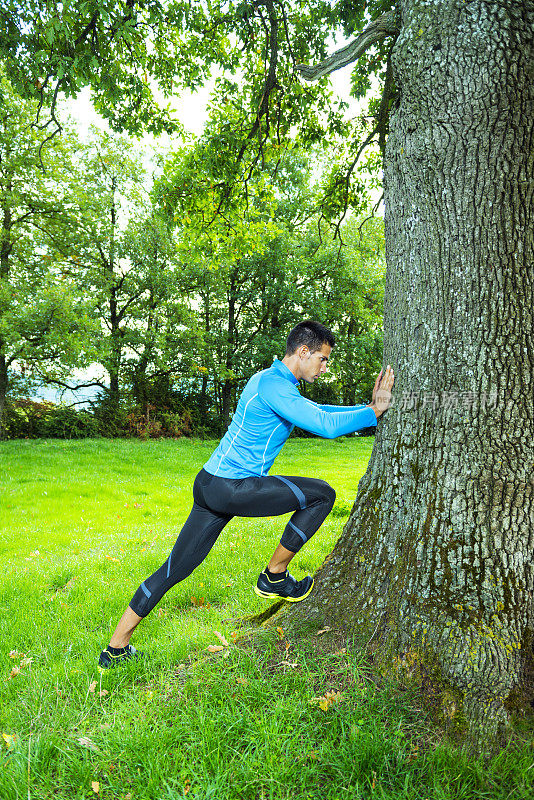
[81, 524]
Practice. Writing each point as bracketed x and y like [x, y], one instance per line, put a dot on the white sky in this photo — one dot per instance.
[191, 109]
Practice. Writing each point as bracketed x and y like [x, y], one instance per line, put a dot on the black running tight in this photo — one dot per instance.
[216, 501]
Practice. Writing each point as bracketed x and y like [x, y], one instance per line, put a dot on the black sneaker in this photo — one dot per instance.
[108, 660]
[286, 587]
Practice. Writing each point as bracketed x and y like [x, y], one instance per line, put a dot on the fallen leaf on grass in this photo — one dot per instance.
[199, 602]
[221, 638]
[160, 613]
[280, 632]
[92, 687]
[24, 662]
[95, 786]
[84, 741]
[10, 741]
[103, 693]
[215, 648]
[373, 785]
[328, 700]
[14, 671]
[324, 630]
[187, 786]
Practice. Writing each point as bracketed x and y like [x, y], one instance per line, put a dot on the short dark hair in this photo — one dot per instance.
[312, 334]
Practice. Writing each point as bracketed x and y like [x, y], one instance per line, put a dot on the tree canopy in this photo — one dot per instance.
[134, 54]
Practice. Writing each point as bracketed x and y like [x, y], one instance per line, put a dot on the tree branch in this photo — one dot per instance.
[346, 180]
[385, 25]
[271, 82]
[124, 309]
[57, 382]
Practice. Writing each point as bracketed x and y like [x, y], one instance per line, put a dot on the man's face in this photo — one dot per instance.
[313, 365]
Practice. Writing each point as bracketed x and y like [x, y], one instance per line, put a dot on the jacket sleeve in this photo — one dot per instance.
[285, 400]
[341, 408]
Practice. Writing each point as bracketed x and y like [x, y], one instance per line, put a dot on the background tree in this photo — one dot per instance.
[127, 51]
[158, 339]
[110, 185]
[348, 295]
[261, 264]
[44, 320]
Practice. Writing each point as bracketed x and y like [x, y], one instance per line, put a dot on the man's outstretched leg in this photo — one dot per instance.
[196, 539]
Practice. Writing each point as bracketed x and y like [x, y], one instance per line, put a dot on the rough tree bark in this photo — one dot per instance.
[434, 566]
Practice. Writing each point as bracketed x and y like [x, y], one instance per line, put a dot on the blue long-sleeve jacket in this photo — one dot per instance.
[268, 410]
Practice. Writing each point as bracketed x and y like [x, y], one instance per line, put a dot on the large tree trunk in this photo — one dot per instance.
[434, 566]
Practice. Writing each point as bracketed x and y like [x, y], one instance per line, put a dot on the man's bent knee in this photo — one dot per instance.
[329, 495]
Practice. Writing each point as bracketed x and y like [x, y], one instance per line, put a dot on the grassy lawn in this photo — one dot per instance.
[81, 525]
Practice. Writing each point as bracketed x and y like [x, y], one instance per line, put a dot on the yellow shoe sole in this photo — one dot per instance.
[274, 596]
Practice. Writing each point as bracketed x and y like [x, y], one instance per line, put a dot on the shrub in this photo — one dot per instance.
[150, 422]
[62, 422]
[31, 419]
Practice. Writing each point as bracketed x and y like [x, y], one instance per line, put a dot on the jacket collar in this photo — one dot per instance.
[284, 371]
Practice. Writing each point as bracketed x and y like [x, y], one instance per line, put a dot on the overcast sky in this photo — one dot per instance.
[191, 108]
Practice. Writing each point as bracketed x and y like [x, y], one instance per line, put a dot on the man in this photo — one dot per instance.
[235, 480]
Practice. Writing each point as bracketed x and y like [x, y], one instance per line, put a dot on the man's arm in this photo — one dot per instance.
[341, 408]
[285, 400]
